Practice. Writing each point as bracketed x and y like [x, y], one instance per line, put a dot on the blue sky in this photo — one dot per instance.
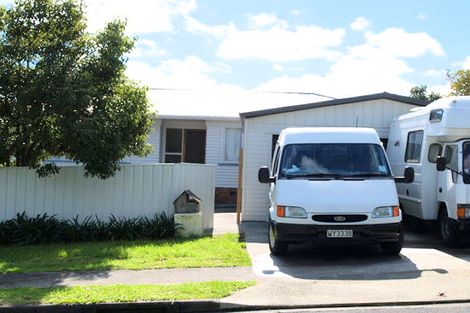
[336, 48]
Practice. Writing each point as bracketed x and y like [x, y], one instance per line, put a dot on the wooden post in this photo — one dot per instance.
[240, 189]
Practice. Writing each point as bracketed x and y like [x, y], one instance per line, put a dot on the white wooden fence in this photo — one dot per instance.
[136, 190]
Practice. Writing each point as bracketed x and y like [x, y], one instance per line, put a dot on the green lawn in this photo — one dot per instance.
[218, 251]
[120, 293]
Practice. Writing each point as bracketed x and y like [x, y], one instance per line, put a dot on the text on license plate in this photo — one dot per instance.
[339, 233]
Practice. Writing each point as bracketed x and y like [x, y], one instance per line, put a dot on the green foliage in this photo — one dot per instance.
[420, 92]
[63, 91]
[24, 230]
[460, 82]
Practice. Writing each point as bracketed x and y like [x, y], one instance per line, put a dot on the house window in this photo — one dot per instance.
[413, 146]
[185, 145]
[233, 138]
[174, 145]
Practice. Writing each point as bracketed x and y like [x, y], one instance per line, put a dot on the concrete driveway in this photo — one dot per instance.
[316, 276]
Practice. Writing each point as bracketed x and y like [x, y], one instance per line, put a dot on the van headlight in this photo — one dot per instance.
[386, 211]
[291, 211]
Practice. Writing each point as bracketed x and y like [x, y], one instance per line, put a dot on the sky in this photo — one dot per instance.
[223, 57]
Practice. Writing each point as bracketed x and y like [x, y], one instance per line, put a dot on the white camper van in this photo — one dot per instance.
[332, 185]
[435, 141]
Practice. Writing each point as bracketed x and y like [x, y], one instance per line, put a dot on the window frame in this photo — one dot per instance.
[429, 150]
[180, 154]
[224, 147]
[410, 133]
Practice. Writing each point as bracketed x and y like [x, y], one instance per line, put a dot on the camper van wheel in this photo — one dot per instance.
[447, 228]
[393, 248]
[275, 246]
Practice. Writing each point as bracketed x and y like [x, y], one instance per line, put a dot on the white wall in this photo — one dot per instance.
[154, 139]
[135, 190]
[258, 131]
[226, 173]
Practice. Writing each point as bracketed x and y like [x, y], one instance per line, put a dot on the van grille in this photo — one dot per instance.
[339, 218]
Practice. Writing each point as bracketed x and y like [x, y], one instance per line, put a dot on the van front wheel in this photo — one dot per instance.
[447, 228]
[393, 248]
[275, 246]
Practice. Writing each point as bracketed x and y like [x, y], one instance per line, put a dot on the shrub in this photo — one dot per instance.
[24, 230]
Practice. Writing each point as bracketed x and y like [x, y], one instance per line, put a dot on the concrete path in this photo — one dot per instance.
[309, 275]
[225, 222]
[159, 276]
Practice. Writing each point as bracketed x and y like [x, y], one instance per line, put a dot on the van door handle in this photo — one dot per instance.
[407, 192]
[440, 189]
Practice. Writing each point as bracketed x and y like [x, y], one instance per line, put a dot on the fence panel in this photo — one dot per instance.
[134, 191]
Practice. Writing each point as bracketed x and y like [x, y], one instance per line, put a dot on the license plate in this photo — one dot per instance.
[339, 233]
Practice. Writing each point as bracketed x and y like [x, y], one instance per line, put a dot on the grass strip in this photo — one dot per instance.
[218, 251]
[120, 293]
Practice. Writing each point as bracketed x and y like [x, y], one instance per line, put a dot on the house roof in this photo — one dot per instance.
[321, 104]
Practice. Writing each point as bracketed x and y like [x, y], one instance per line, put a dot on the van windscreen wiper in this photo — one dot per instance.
[365, 175]
[315, 176]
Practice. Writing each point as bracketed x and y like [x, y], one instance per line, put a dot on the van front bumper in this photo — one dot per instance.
[297, 233]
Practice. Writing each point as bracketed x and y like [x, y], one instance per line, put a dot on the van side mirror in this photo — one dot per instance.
[408, 177]
[441, 163]
[263, 175]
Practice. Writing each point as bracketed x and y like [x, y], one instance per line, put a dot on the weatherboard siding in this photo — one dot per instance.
[258, 132]
[226, 173]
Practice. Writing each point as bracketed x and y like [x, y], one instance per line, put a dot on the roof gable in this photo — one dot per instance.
[384, 95]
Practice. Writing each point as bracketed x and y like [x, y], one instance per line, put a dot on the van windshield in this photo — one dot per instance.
[333, 161]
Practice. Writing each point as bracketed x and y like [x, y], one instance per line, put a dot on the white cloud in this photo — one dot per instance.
[422, 16]
[360, 23]
[399, 43]
[443, 89]
[146, 48]
[278, 68]
[466, 63]
[188, 73]
[280, 45]
[144, 16]
[375, 66]
[433, 72]
[272, 39]
[262, 20]
[295, 12]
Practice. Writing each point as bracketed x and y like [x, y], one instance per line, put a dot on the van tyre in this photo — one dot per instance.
[275, 246]
[393, 248]
[448, 229]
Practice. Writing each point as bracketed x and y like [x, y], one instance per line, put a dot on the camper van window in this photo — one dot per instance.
[333, 160]
[452, 158]
[436, 115]
[413, 146]
[435, 150]
[466, 162]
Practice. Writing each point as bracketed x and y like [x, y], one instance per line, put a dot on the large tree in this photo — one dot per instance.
[460, 82]
[63, 91]
[420, 92]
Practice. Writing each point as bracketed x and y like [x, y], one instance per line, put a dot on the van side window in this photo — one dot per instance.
[452, 159]
[413, 146]
[275, 164]
[434, 151]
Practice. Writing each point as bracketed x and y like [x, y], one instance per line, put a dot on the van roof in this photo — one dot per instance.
[328, 135]
[456, 102]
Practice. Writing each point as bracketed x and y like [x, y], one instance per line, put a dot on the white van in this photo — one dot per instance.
[435, 141]
[332, 185]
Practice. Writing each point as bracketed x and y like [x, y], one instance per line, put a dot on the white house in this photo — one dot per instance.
[261, 128]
